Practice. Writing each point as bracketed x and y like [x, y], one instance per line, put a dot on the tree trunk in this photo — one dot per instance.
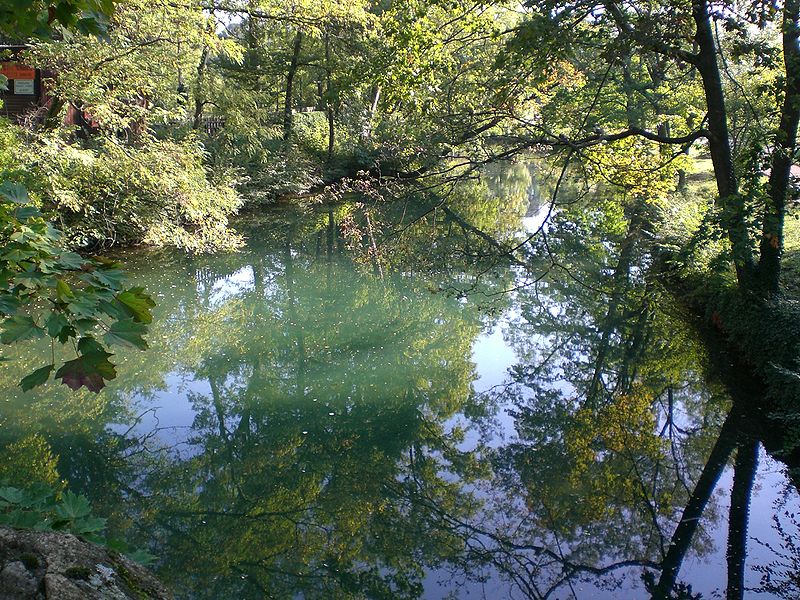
[771, 246]
[366, 132]
[730, 201]
[682, 538]
[744, 473]
[329, 97]
[290, 75]
[199, 101]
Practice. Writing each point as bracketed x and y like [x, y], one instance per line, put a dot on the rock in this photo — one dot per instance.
[16, 577]
[47, 565]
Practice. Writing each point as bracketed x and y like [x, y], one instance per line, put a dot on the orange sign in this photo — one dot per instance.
[14, 70]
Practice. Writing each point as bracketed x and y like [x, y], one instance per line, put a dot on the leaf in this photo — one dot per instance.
[110, 277]
[23, 519]
[89, 345]
[88, 525]
[63, 291]
[84, 325]
[114, 309]
[71, 260]
[14, 192]
[83, 306]
[127, 333]
[31, 277]
[138, 303]
[18, 255]
[12, 495]
[89, 370]
[8, 304]
[20, 327]
[55, 324]
[26, 212]
[73, 506]
[37, 378]
[143, 557]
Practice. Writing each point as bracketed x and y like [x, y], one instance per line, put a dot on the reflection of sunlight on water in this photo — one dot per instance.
[227, 287]
[534, 223]
[493, 357]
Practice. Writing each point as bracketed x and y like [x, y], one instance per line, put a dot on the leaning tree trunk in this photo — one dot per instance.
[375, 96]
[690, 519]
[290, 75]
[744, 473]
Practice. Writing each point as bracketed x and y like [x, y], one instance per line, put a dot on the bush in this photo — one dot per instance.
[156, 192]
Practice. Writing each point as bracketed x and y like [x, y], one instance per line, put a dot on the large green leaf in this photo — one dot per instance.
[73, 506]
[63, 291]
[88, 525]
[8, 303]
[38, 377]
[114, 309]
[83, 304]
[14, 192]
[138, 303]
[12, 495]
[26, 212]
[20, 327]
[71, 260]
[16, 255]
[89, 345]
[127, 333]
[55, 324]
[109, 277]
[32, 278]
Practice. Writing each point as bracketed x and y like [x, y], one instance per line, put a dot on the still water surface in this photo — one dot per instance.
[375, 400]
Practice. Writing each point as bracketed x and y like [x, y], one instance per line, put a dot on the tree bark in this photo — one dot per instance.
[771, 245]
[199, 101]
[366, 132]
[329, 97]
[730, 201]
[288, 120]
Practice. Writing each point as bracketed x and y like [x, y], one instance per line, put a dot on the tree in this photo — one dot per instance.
[685, 40]
[45, 289]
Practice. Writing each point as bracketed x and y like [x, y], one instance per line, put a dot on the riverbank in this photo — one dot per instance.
[761, 337]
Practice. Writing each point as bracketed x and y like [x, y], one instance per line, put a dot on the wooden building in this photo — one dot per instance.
[24, 93]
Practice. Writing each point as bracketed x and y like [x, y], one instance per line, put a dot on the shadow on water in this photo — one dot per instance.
[311, 420]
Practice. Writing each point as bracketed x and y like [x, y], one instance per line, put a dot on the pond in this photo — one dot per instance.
[438, 395]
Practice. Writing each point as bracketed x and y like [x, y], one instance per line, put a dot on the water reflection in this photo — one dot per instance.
[310, 422]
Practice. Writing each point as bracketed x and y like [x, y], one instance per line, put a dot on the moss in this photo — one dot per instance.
[78, 572]
[31, 561]
[134, 588]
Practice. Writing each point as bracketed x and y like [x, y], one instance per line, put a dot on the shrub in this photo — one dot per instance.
[155, 192]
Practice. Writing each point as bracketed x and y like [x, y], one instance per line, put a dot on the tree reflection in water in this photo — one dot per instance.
[338, 445]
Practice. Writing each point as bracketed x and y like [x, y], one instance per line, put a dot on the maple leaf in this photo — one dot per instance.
[89, 370]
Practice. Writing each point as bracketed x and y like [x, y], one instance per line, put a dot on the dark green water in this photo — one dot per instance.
[375, 401]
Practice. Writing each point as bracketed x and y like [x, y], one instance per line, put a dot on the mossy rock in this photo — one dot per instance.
[48, 565]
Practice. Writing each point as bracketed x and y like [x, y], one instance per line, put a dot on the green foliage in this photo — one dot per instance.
[44, 508]
[154, 192]
[46, 291]
[40, 507]
[40, 18]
